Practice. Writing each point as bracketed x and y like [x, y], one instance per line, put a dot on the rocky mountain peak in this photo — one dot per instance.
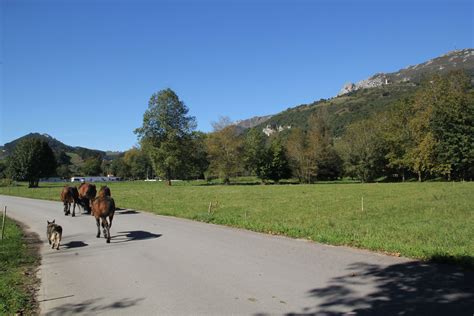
[456, 59]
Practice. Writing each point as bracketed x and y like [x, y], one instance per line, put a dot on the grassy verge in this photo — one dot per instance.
[19, 258]
[429, 221]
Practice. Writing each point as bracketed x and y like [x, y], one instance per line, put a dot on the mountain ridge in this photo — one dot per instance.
[359, 100]
[56, 145]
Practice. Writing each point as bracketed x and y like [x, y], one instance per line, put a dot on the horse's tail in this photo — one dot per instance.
[112, 204]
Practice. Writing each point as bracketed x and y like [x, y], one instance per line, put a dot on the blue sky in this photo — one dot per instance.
[83, 71]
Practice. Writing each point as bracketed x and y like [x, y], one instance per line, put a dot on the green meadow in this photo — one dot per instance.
[17, 278]
[428, 221]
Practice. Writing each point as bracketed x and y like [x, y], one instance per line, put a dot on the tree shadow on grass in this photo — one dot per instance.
[227, 184]
[412, 288]
[134, 235]
[92, 307]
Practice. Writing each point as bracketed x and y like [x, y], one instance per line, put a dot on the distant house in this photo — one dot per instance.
[95, 179]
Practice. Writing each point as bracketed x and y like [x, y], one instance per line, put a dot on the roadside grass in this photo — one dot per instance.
[428, 221]
[18, 261]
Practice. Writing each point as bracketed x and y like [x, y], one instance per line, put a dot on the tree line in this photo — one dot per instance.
[428, 135]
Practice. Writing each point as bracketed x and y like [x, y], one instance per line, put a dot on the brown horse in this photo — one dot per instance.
[69, 195]
[87, 193]
[103, 207]
[104, 191]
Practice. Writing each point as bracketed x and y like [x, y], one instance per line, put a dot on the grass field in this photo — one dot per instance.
[429, 221]
[17, 278]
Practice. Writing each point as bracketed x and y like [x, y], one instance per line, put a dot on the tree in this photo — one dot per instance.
[31, 160]
[274, 164]
[442, 127]
[63, 171]
[398, 137]
[119, 168]
[363, 150]
[137, 163]
[302, 156]
[255, 151]
[311, 152]
[92, 166]
[165, 133]
[3, 169]
[197, 155]
[320, 143]
[225, 151]
[452, 124]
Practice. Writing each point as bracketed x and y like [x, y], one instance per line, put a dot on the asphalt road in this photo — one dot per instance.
[157, 265]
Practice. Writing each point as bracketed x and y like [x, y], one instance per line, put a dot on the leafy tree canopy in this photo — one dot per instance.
[32, 159]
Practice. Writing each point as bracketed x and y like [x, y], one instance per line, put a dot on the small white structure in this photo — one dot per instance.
[95, 179]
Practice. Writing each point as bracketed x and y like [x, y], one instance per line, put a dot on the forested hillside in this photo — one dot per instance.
[375, 94]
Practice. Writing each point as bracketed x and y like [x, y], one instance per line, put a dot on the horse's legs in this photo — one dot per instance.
[107, 226]
[104, 226]
[98, 227]
[65, 208]
[74, 209]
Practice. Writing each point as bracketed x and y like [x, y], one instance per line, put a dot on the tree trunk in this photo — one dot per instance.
[419, 176]
[168, 176]
[33, 183]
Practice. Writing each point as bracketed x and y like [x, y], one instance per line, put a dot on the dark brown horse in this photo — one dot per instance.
[104, 191]
[69, 195]
[87, 193]
[103, 207]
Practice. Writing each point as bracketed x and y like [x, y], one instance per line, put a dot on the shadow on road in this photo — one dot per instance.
[92, 307]
[412, 288]
[74, 244]
[120, 211]
[133, 236]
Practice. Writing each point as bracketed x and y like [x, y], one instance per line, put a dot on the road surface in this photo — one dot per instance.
[157, 265]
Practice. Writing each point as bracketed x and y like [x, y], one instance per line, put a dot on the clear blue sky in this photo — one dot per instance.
[83, 71]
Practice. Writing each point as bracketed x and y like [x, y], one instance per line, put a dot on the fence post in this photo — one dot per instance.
[3, 221]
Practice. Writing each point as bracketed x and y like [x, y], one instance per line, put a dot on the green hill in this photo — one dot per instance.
[361, 100]
[56, 145]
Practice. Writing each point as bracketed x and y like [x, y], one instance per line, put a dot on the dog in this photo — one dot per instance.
[54, 233]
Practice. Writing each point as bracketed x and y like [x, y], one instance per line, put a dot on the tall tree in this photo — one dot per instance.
[137, 163]
[32, 159]
[312, 152]
[255, 151]
[225, 151]
[398, 137]
[452, 124]
[363, 150]
[165, 133]
[197, 150]
[92, 166]
[273, 165]
[119, 168]
[302, 155]
[320, 142]
[442, 127]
